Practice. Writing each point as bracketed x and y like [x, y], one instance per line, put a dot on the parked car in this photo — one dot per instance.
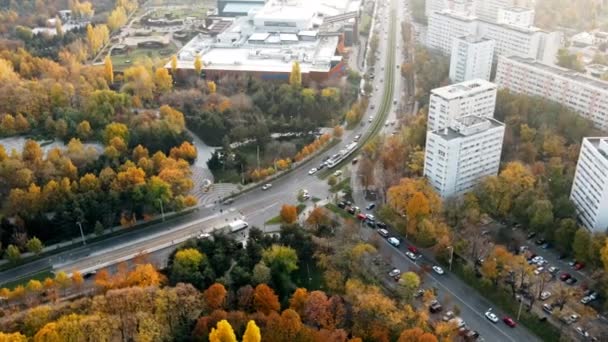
[312, 171]
[381, 225]
[370, 217]
[448, 316]
[545, 295]
[553, 270]
[370, 206]
[539, 270]
[338, 173]
[565, 276]
[266, 186]
[361, 216]
[438, 270]
[393, 241]
[540, 241]
[548, 308]
[383, 232]
[531, 235]
[413, 249]
[394, 272]
[571, 281]
[581, 331]
[579, 266]
[411, 255]
[509, 321]
[342, 204]
[491, 316]
[435, 307]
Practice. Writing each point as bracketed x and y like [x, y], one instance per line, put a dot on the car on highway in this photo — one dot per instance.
[203, 236]
[321, 166]
[312, 171]
[371, 118]
[438, 270]
[383, 232]
[370, 206]
[357, 138]
[411, 255]
[394, 272]
[266, 186]
[393, 241]
[491, 316]
[545, 295]
[509, 321]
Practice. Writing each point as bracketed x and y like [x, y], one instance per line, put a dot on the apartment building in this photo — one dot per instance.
[447, 104]
[446, 25]
[471, 58]
[590, 185]
[517, 16]
[488, 9]
[586, 95]
[458, 157]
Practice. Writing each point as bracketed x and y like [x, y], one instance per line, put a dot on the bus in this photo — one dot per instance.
[238, 225]
[343, 154]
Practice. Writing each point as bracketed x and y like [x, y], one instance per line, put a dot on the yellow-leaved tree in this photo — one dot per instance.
[223, 333]
[295, 77]
[252, 333]
[108, 69]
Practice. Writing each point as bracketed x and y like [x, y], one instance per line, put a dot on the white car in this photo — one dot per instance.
[338, 173]
[491, 316]
[312, 171]
[438, 270]
[395, 272]
[539, 270]
[266, 186]
[545, 295]
[411, 255]
[393, 241]
[371, 118]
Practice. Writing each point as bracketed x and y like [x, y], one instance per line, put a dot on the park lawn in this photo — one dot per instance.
[121, 62]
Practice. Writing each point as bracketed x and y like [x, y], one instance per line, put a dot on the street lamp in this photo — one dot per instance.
[81, 233]
[451, 256]
[162, 210]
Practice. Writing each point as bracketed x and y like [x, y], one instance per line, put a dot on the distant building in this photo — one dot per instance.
[237, 8]
[516, 16]
[488, 9]
[446, 25]
[525, 41]
[458, 157]
[590, 186]
[586, 95]
[266, 43]
[471, 58]
[447, 104]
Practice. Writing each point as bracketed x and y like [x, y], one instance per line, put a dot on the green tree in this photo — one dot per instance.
[581, 245]
[186, 266]
[280, 258]
[409, 282]
[564, 235]
[34, 245]
[12, 253]
[541, 215]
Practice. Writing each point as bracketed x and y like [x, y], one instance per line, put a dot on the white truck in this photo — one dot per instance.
[237, 226]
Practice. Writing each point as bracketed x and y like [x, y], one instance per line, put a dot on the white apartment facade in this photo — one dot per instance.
[590, 186]
[488, 9]
[447, 104]
[518, 16]
[471, 58]
[586, 95]
[446, 25]
[525, 41]
[457, 158]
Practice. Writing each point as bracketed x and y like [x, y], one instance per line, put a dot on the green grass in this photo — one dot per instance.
[46, 273]
[121, 62]
[275, 220]
[342, 213]
[503, 299]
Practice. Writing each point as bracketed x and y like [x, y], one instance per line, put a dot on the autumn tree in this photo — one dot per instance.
[252, 333]
[12, 253]
[163, 80]
[265, 300]
[215, 297]
[108, 69]
[186, 264]
[198, 65]
[295, 77]
[223, 333]
[289, 213]
[174, 65]
[83, 130]
[34, 245]
[117, 18]
[338, 131]
[212, 87]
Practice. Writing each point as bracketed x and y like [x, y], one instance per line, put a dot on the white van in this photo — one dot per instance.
[238, 225]
[393, 241]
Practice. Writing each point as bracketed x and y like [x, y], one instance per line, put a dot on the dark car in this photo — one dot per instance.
[531, 235]
[435, 307]
[540, 241]
[342, 205]
[381, 225]
[370, 223]
[571, 281]
[509, 321]
[352, 210]
[565, 276]
[321, 166]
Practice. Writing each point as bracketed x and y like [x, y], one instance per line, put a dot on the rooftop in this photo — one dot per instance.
[468, 126]
[463, 89]
[563, 72]
[474, 39]
[601, 144]
[518, 9]
[457, 15]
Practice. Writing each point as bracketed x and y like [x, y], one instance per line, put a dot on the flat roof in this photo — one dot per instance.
[519, 9]
[468, 126]
[284, 13]
[241, 8]
[259, 36]
[571, 74]
[463, 89]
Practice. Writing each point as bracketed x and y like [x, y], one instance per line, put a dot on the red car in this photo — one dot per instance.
[413, 249]
[509, 321]
[579, 266]
[361, 216]
[565, 276]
